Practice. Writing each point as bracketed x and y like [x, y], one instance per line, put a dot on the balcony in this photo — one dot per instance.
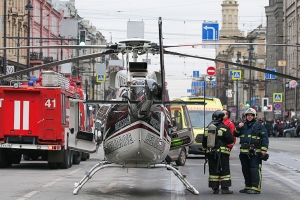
[48, 60]
[36, 55]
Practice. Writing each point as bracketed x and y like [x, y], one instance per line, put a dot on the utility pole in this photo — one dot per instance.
[4, 38]
[93, 78]
[238, 55]
[250, 74]
[18, 50]
[29, 8]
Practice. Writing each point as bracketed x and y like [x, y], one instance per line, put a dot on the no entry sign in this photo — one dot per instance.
[211, 71]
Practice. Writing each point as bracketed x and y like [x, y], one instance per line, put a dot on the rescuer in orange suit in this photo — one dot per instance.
[230, 124]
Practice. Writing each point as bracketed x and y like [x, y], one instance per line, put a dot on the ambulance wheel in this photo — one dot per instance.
[76, 157]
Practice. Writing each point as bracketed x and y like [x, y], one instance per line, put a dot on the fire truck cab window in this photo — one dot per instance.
[63, 109]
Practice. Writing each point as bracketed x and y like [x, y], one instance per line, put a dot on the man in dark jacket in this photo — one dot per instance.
[254, 145]
[216, 138]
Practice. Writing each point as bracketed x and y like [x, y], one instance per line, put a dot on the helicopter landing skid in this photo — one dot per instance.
[105, 164]
[181, 177]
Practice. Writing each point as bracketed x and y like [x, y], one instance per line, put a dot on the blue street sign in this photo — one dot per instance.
[196, 74]
[236, 75]
[191, 90]
[196, 84]
[100, 77]
[214, 84]
[210, 31]
[271, 76]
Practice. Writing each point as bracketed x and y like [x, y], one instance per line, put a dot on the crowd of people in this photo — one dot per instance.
[275, 127]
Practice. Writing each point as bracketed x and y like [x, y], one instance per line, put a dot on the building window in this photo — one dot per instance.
[229, 19]
[224, 19]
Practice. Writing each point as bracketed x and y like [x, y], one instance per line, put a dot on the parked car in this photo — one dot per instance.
[179, 155]
[289, 132]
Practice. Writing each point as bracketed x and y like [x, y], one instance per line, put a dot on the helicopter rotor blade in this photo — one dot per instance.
[94, 55]
[113, 46]
[236, 64]
[211, 43]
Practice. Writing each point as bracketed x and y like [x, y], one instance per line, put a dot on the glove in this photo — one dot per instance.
[264, 157]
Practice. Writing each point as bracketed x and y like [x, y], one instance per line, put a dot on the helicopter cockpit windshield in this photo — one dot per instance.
[138, 88]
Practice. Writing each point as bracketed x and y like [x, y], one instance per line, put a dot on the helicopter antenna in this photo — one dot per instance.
[162, 67]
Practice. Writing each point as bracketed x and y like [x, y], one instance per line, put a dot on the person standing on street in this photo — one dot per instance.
[254, 145]
[216, 138]
[230, 124]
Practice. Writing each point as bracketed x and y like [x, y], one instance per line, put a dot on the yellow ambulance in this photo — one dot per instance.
[200, 118]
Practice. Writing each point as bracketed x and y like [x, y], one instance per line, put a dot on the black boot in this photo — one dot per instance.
[226, 191]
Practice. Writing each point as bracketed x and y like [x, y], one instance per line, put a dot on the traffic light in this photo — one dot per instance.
[82, 37]
[247, 104]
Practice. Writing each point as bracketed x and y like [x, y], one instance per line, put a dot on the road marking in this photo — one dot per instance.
[61, 178]
[110, 186]
[289, 167]
[282, 177]
[53, 182]
[74, 171]
[296, 159]
[28, 195]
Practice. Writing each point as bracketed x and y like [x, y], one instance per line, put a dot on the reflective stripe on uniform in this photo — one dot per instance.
[213, 178]
[226, 178]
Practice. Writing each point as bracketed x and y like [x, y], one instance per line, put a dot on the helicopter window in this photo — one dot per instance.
[138, 89]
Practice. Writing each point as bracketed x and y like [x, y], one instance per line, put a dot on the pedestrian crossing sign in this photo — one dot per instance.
[100, 77]
[277, 97]
[236, 75]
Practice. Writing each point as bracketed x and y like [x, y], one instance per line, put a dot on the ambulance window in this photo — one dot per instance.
[63, 109]
[178, 119]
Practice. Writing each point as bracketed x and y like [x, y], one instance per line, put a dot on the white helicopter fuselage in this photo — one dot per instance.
[137, 144]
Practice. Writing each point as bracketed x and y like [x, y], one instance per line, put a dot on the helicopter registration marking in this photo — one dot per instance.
[154, 141]
[122, 123]
[118, 143]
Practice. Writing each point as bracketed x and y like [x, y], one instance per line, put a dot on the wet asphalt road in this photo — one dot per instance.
[33, 180]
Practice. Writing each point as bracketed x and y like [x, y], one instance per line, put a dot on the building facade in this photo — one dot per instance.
[274, 14]
[291, 27]
[14, 24]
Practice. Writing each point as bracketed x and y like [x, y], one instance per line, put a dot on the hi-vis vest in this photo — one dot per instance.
[212, 133]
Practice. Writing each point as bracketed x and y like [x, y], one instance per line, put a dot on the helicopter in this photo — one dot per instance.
[136, 128]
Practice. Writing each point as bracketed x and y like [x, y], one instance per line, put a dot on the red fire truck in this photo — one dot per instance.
[45, 118]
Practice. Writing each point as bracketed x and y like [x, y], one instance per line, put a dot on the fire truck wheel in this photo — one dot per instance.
[16, 159]
[76, 157]
[71, 158]
[66, 163]
[53, 165]
[6, 161]
[84, 156]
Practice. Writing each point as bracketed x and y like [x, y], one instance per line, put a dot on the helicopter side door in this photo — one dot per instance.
[182, 131]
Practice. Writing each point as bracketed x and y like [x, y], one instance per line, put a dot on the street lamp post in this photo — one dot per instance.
[4, 39]
[29, 8]
[93, 78]
[238, 55]
[250, 74]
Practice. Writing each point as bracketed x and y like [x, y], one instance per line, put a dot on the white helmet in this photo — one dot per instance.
[251, 111]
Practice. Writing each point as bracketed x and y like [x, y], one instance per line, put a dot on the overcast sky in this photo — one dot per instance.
[182, 23]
